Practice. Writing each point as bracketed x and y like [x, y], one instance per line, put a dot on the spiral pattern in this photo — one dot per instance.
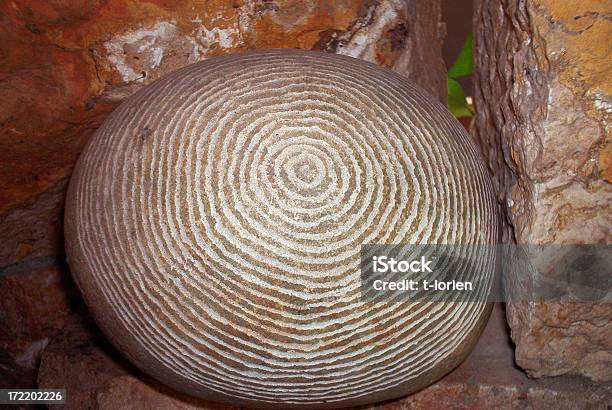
[214, 225]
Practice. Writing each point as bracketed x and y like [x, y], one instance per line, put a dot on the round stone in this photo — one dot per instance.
[214, 225]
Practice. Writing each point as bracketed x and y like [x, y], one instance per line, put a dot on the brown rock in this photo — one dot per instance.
[34, 229]
[97, 377]
[543, 96]
[36, 291]
[66, 65]
[35, 300]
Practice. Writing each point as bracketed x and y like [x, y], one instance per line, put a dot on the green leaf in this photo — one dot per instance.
[457, 104]
[463, 64]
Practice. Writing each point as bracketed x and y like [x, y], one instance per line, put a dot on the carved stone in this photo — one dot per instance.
[214, 225]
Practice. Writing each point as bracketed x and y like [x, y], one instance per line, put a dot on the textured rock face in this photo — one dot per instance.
[214, 226]
[85, 57]
[34, 303]
[543, 97]
[34, 229]
[34, 286]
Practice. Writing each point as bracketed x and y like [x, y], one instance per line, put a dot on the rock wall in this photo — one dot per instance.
[543, 94]
[64, 66]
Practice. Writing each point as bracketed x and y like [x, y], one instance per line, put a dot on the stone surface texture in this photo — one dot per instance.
[64, 66]
[543, 88]
[97, 378]
[214, 225]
